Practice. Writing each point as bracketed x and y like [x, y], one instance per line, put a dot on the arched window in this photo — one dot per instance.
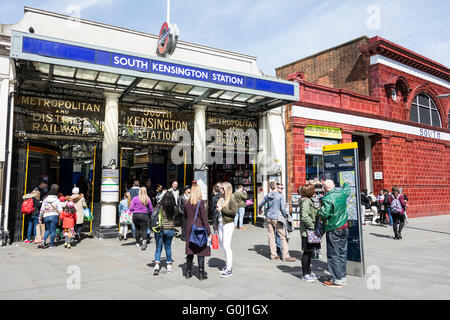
[424, 110]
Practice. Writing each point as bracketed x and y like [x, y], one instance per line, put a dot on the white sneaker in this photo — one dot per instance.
[138, 245]
[226, 274]
[313, 275]
[223, 270]
[308, 278]
[169, 268]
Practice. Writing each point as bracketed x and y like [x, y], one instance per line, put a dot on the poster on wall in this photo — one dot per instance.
[341, 166]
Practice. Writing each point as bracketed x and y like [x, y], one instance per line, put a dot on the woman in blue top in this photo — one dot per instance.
[123, 206]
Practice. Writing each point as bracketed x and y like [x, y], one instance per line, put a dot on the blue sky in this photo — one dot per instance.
[276, 31]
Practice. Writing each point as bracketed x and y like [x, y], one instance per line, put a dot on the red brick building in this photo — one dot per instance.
[392, 101]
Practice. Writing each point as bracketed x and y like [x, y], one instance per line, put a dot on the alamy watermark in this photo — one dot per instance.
[74, 280]
[373, 281]
[374, 20]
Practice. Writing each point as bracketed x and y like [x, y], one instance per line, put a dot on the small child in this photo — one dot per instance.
[69, 220]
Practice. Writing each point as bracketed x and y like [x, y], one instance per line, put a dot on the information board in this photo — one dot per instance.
[341, 165]
[110, 185]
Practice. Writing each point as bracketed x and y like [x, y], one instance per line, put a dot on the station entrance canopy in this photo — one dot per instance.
[41, 61]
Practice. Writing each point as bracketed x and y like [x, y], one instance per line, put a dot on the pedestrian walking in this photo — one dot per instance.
[241, 197]
[69, 220]
[398, 206]
[334, 212]
[387, 205]
[164, 238]
[183, 198]
[195, 213]
[227, 208]
[276, 207]
[309, 220]
[124, 206]
[141, 208]
[80, 204]
[380, 207]
[134, 190]
[50, 210]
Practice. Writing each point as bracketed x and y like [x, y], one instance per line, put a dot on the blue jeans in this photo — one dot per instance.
[239, 217]
[164, 238]
[32, 223]
[391, 221]
[337, 254]
[278, 242]
[50, 229]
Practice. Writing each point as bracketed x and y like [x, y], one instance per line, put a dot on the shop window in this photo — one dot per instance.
[424, 111]
[314, 167]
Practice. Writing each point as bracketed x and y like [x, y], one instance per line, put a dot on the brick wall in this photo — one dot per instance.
[342, 67]
[421, 166]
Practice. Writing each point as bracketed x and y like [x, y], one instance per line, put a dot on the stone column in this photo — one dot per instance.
[200, 146]
[108, 227]
[199, 136]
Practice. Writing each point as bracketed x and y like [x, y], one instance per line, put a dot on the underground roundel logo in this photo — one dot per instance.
[168, 37]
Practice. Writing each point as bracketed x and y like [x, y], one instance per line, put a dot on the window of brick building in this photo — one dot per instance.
[424, 110]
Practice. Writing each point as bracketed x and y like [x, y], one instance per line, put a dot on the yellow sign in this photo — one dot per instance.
[344, 146]
[323, 132]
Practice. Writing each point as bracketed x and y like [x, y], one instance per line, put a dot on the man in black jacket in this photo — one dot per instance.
[214, 214]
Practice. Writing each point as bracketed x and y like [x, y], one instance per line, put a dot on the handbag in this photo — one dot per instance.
[215, 241]
[199, 235]
[313, 237]
[87, 215]
[40, 231]
[126, 217]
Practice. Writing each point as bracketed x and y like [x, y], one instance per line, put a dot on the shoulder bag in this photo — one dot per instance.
[199, 235]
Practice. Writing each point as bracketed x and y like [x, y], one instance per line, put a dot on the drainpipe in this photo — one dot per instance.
[6, 168]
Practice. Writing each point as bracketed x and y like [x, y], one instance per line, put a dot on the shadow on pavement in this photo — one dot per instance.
[216, 263]
[261, 249]
[381, 235]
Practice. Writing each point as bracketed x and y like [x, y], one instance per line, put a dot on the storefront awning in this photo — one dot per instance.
[59, 61]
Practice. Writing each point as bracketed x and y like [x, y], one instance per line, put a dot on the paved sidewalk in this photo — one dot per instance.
[416, 267]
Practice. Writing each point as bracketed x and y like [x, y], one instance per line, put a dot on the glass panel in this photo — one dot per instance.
[255, 99]
[424, 114]
[314, 167]
[413, 115]
[147, 83]
[182, 88]
[217, 94]
[435, 118]
[229, 95]
[42, 67]
[433, 106]
[163, 86]
[84, 74]
[64, 71]
[424, 100]
[107, 77]
[198, 91]
[243, 97]
[125, 80]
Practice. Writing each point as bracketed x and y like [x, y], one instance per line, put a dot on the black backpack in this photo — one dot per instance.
[156, 220]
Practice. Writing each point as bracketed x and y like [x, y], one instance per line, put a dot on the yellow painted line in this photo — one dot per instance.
[25, 188]
[93, 186]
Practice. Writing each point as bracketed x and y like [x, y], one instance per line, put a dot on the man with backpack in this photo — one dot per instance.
[398, 206]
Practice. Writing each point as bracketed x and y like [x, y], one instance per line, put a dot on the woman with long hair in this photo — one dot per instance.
[195, 212]
[141, 208]
[164, 238]
[227, 207]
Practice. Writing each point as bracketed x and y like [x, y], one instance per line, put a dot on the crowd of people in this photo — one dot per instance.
[155, 212]
[61, 216]
[388, 208]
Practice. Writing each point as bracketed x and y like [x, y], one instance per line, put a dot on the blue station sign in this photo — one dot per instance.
[71, 52]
